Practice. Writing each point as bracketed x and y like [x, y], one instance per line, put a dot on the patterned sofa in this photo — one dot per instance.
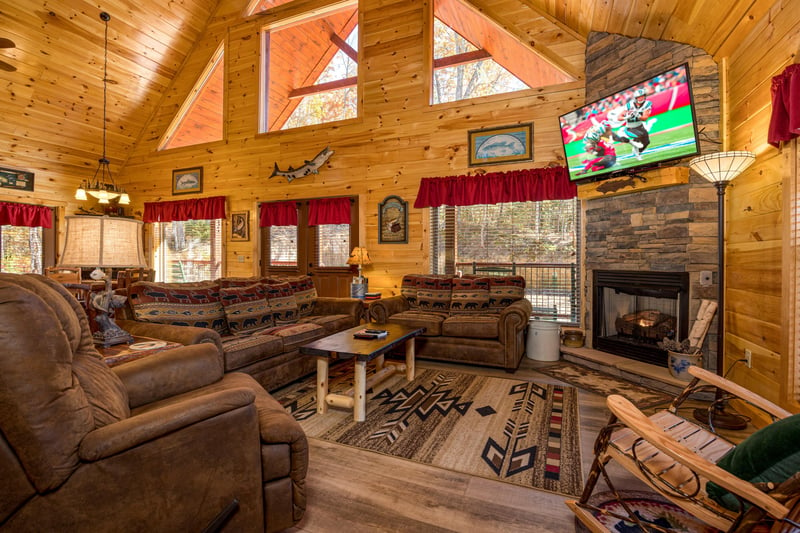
[258, 324]
[479, 320]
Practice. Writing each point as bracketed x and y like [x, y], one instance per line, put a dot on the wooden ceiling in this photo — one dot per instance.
[52, 104]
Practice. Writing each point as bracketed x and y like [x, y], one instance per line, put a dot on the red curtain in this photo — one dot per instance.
[278, 214]
[328, 211]
[12, 214]
[196, 209]
[528, 185]
[784, 122]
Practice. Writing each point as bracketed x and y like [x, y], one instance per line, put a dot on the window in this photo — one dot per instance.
[473, 56]
[23, 249]
[311, 71]
[188, 250]
[333, 245]
[537, 240]
[283, 246]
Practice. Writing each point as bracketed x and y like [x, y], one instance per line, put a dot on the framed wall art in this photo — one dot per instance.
[187, 180]
[240, 226]
[393, 221]
[16, 179]
[505, 144]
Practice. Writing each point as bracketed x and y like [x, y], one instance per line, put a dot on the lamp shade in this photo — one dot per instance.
[359, 256]
[106, 242]
[722, 167]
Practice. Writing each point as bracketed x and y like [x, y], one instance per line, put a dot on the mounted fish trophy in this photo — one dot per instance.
[310, 167]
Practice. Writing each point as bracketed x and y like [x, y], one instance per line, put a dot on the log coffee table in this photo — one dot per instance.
[344, 346]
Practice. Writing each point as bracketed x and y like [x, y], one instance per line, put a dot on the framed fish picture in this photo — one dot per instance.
[187, 180]
[393, 221]
[505, 144]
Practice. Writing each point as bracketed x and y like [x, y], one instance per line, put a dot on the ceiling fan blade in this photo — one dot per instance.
[6, 43]
[8, 68]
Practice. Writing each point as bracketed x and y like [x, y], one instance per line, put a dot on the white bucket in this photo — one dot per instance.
[544, 340]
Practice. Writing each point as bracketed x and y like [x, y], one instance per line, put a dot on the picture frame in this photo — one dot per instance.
[19, 180]
[187, 180]
[240, 226]
[503, 144]
[393, 221]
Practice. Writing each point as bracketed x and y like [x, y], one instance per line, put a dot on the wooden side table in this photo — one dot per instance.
[139, 348]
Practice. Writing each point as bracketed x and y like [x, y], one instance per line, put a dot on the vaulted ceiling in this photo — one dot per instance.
[52, 104]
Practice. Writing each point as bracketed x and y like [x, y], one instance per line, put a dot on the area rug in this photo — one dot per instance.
[605, 384]
[509, 430]
[648, 507]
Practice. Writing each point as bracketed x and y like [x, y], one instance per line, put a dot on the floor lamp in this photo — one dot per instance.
[721, 168]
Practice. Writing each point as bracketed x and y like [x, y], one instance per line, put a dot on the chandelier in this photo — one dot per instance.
[102, 185]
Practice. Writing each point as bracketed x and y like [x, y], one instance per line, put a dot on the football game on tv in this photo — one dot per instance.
[637, 128]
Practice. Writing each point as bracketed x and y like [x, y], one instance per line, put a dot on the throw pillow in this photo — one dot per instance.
[769, 454]
[504, 290]
[470, 296]
[305, 294]
[165, 304]
[408, 289]
[246, 308]
[282, 302]
[433, 294]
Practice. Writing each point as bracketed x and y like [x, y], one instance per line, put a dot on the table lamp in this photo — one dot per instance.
[359, 256]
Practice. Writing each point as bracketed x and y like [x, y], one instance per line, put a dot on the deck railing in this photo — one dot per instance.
[552, 288]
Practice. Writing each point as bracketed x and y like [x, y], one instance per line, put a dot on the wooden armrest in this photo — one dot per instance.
[739, 391]
[640, 424]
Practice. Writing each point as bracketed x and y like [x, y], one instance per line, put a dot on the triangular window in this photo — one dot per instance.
[474, 57]
[200, 119]
[311, 70]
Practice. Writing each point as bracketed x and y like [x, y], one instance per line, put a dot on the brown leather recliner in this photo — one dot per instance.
[164, 443]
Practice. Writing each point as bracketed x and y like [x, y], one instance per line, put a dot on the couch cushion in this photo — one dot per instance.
[470, 296]
[770, 454]
[192, 306]
[433, 294]
[282, 302]
[331, 323]
[503, 290]
[295, 335]
[305, 294]
[432, 322]
[472, 326]
[246, 308]
[242, 350]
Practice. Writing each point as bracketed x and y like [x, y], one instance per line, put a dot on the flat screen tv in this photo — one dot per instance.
[639, 127]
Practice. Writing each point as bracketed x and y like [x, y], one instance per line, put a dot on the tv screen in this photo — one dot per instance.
[638, 127]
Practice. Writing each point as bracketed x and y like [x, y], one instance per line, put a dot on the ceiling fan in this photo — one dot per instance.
[7, 43]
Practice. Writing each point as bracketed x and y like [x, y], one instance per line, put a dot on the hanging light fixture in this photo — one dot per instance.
[100, 187]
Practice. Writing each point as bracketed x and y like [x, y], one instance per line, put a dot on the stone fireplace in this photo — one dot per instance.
[633, 310]
[668, 232]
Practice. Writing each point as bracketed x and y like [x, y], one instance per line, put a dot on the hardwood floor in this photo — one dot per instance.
[357, 491]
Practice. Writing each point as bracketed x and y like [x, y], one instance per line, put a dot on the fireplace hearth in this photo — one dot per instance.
[633, 310]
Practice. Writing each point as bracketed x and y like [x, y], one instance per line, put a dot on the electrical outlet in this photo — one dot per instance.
[705, 278]
[748, 358]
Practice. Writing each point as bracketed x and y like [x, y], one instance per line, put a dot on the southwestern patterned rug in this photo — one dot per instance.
[509, 430]
[605, 384]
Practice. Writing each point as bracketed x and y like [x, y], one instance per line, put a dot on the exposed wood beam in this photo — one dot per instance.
[344, 47]
[507, 25]
[300, 92]
[461, 59]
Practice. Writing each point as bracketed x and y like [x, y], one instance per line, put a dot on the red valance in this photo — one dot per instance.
[328, 211]
[195, 209]
[12, 214]
[528, 185]
[277, 214]
[784, 124]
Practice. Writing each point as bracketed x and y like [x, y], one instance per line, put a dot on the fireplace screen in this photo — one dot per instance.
[633, 311]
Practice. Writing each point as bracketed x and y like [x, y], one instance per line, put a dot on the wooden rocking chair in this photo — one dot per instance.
[677, 457]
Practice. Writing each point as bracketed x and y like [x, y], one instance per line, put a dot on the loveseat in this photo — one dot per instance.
[472, 319]
[257, 324]
[163, 443]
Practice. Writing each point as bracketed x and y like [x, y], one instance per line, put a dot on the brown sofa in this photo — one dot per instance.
[479, 320]
[258, 324]
[164, 443]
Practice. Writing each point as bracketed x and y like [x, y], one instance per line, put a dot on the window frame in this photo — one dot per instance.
[218, 250]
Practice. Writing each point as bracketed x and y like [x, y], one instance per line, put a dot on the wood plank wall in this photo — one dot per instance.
[398, 139]
[755, 231]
